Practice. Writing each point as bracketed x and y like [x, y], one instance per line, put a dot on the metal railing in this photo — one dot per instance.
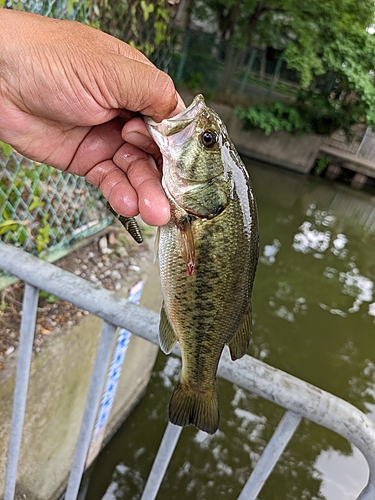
[300, 399]
[359, 146]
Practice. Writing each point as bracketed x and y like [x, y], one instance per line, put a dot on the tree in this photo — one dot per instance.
[316, 38]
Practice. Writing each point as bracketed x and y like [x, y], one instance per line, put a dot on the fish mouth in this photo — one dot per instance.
[171, 126]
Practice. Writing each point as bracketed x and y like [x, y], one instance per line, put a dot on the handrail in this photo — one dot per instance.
[300, 398]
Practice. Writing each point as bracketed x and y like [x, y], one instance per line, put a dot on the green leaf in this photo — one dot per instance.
[35, 204]
[10, 225]
[6, 149]
[51, 299]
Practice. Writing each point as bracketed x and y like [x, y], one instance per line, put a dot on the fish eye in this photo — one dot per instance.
[208, 139]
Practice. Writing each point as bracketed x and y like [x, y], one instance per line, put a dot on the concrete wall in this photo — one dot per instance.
[58, 386]
[295, 152]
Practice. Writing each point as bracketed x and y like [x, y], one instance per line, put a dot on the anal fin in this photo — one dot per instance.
[167, 336]
[240, 343]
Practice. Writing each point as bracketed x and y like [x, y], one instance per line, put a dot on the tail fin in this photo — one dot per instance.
[198, 408]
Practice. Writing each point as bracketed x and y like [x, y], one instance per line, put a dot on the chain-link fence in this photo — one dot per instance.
[224, 71]
[221, 70]
[42, 209]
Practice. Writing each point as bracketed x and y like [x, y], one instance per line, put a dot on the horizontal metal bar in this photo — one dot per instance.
[271, 454]
[253, 375]
[98, 377]
[84, 294]
[29, 310]
[162, 459]
[308, 401]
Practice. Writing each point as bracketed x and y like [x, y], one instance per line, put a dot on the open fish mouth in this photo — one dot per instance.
[181, 122]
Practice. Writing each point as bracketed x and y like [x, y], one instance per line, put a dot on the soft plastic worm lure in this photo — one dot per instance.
[129, 223]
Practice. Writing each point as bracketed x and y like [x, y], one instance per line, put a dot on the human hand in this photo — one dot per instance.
[66, 92]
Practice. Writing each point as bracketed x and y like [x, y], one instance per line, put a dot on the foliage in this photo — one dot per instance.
[6, 149]
[315, 38]
[43, 235]
[10, 225]
[50, 299]
[195, 67]
[274, 117]
[321, 164]
[24, 186]
[145, 25]
[309, 113]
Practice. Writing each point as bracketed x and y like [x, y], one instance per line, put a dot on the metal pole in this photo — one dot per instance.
[92, 404]
[276, 74]
[308, 401]
[30, 304]
[113, 377]
[271, 454]
[249, 69]
[253, 375]
[161, 462]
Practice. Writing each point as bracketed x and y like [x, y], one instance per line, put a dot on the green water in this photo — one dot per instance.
[314, 317]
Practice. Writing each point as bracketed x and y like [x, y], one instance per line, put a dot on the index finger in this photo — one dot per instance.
[144, 177]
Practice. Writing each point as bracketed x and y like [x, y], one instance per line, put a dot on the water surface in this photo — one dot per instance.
[314, 317]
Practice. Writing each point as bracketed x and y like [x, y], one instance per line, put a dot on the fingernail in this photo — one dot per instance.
[179, 107]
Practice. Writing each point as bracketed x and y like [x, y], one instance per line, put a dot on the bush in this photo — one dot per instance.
[309, 113]
[274, 117]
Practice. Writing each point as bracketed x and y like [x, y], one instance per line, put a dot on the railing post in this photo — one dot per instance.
[98, 377]
[271, 454]
[30, 304]
[363, 142]
[162, 459]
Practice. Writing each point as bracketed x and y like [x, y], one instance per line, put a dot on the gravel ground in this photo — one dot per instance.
[114, 261]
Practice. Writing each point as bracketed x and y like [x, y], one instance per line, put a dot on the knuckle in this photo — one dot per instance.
[165, 93]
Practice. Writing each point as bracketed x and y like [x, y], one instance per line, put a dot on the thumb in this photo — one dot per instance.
[138, 86]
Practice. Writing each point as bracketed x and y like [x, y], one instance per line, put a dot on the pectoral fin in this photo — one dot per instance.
[167, 336]
[185, 236]
[186, 242]
[240, 343]
[156, 245]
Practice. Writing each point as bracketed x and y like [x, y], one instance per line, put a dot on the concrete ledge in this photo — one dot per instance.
[350, 161]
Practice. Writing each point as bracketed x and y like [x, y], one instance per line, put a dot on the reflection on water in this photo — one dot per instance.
[335, 467]
[314, 317]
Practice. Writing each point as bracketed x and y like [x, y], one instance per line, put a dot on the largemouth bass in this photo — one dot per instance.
[208, 254]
